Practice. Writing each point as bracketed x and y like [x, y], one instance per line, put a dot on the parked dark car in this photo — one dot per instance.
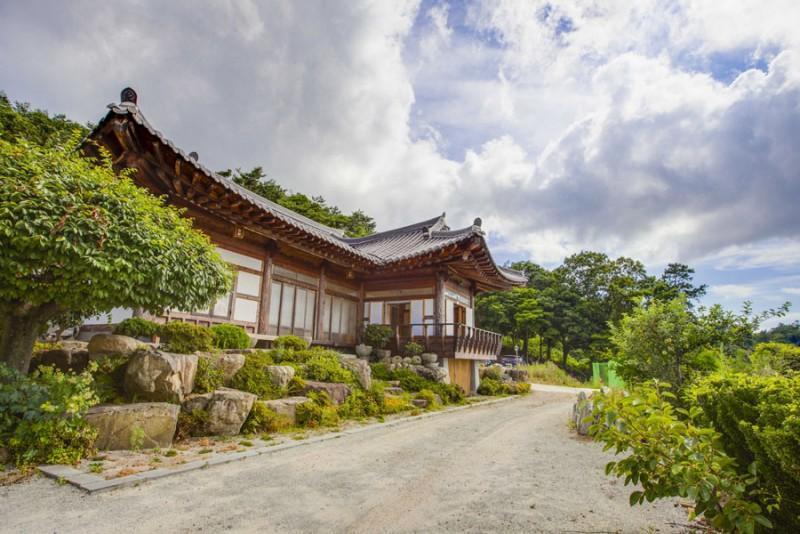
[510, 360]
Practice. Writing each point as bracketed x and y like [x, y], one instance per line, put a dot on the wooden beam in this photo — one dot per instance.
[266, 290]
[323, 285]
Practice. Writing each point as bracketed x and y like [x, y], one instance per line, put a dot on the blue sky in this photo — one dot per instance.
[664, 130]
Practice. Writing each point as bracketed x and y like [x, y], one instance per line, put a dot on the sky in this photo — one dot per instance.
[660, 130]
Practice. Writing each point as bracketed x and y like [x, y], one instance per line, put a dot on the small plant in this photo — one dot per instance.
[228, 336]
[108, 375]
[326, 367]
[137, 327]
[412, 349]
[208, 377]
[254, 378]
[185, 338]
[191, 423]
[246, 443]
[262, 419]
[297, 386]
[205, 451]
[290, 343]
[377, 335]
[430, 396]
[96, 467]
[171, 453]
[137, 438]
[381, 371]
[155, 460]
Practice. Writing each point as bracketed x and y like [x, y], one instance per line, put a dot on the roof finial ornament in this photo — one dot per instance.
[477, 222]
[194, 155]
[128, 95]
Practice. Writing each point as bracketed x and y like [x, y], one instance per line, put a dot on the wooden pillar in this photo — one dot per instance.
[323, 283]
[438, 301]
[266, 290]
[360, 313]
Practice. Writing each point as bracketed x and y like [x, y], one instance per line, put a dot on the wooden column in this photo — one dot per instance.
[438, 301]
[360, 313]
[323, 283]
[266, 290]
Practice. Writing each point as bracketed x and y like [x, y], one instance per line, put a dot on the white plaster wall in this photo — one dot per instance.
[376, 312]
[117, 315]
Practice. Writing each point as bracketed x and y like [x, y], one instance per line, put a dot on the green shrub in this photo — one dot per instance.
[41, 416]
[229, 336]
[490, 387]
[550, 373]
[137, 327]
[191, 423]
[362, 403]
[380, 371]
[775, 358]
[377, 335]
[449, 393]
[494, 372]
[758, 418]
[669, 455]
[208, 377]
[290, 343]
[399, 404]
[262, 419]
[325, 366]
[430, 396]
[296, 386]
[317, 412]
[409, 380]
[186, 338]
[412, 349]
[254, 378]
[109, 374]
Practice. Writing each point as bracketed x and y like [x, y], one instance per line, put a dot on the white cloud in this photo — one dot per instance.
[736, 291]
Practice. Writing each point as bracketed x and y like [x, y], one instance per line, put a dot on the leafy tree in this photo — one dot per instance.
[677, 280]
[19, 121]
[76, 238]
[783, 333]
[355, 225]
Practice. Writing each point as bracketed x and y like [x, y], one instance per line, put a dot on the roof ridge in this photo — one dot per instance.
[438, 222]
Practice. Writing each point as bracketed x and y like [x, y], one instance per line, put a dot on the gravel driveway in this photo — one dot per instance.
[511, 467]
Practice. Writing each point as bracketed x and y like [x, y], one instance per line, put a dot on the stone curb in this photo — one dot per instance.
[94, 484]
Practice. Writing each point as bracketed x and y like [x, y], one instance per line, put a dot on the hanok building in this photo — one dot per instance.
[297, 276]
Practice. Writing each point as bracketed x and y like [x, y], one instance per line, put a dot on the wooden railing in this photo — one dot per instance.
[448, 340]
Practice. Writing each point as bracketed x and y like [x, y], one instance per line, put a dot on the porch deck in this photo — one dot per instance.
[448, 340]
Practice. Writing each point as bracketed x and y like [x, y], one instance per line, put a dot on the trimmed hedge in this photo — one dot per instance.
[137, 327]
[229, 336]
[186, 338]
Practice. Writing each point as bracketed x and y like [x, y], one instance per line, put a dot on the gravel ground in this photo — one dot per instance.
[511, 467]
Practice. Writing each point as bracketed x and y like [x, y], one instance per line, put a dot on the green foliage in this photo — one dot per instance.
[381, 371]
[412, 349]
[137, 438]
[377, 335]
[317, 412]
[550, 373]
[356, 224]
[430, 396]
[209, 377]
[493, 387]
[108, 374]
[362, 403]
[186, 338]
[264, 420]
[296, 386]
[669, 455]
[758, 418]
[77, 238]
[254, 378]
[41, 416]
[783, 333]
[775, 358]
[229, 336]
[494, 372]
[290, 343]
[411, 381]
[325, 366]
[19, 121]
[191, 423]
[137, 327]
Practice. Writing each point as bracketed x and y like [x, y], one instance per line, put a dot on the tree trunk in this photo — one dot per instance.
[564, 354]
[549, 350]
[540, 350]
[19, 328]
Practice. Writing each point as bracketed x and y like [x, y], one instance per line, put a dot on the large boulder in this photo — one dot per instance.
[436, 374]
[227, 362]
[280, 375]
[121, 426]
[360, 367]
[337, 392]
[104, 344]
[160, 376]
[227, 410]
[63, 359]
[286, 407]
[581, 410]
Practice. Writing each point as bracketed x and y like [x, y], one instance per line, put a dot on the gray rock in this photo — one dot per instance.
[420, 403]
[63, 359]
[280, 375]
[286, 407]
[160, 376]
[436, 374]
[103, 344]
[360, 368]
[393, 390]
[581, 410]
[118, 424]
[227, 410]
[337, 392]
[429, 357]
[227, 362]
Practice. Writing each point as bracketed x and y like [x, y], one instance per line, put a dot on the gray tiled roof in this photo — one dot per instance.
[379, 249]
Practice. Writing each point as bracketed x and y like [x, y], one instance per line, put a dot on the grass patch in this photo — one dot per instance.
[550, 373]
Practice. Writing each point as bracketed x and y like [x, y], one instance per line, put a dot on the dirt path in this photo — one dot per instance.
[511, 467]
